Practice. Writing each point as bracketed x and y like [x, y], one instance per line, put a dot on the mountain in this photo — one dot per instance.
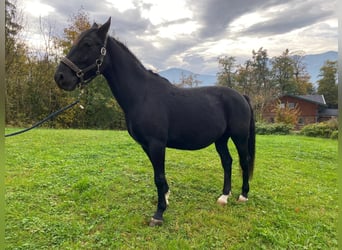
[313, 64]
[175, 74]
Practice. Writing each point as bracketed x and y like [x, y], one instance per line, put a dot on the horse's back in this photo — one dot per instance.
[198, 117]
[207, 102]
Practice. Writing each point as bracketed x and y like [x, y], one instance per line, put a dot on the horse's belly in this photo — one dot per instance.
[194, 138]
[187, 145]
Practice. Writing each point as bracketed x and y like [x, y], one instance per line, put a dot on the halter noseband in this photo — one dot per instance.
[81, 72]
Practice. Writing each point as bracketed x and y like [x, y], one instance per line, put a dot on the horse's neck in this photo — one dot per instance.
[125, 76]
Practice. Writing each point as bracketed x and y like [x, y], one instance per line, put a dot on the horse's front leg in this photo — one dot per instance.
[156, 153]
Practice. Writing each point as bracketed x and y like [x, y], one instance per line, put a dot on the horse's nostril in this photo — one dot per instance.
[59, 76]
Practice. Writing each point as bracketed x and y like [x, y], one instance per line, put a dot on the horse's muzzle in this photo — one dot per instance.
[64, 82]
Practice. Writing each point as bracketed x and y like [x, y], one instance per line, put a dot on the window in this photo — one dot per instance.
[291, 105]
[300, 121]
[282, 105]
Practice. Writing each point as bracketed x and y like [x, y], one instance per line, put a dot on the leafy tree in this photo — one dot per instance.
[265, 79]
[286, 114]
[188, 81]
[289, 75]
[327, 85]
[31, 92]
[244, 78]
[283, 73]
[78, 23]
[301, 76]
[263, 86]
[225, 77]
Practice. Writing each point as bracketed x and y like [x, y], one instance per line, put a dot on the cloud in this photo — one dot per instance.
[216, 15]
[192, 33]
[286, 18]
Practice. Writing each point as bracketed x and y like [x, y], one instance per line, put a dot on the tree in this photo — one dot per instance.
[78, 23]
[283, 73]
[15, 66]
[263, 87]
[244, 78]
[188, 81]
[12, 27]
[253, 78]
[327, 85]
[301, 76]
[286, 114]
[226, 76]
[289, 75]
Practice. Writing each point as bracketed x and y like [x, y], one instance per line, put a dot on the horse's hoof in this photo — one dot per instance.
[223, 200]
[242, 199]
[155, 222]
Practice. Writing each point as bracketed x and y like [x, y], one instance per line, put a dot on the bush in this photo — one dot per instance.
[327, 129]
[333, 124]
[334, 135]
[273, 128]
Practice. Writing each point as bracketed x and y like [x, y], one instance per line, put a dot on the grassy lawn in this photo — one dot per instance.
[81, 189]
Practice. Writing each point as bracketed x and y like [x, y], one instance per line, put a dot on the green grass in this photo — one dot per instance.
[78, 189]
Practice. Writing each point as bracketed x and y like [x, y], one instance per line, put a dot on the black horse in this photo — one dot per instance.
[160, 115]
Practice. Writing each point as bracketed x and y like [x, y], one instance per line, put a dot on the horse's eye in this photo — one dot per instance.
[87, 44]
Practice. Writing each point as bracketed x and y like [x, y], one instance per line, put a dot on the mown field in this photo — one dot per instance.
[81, 189]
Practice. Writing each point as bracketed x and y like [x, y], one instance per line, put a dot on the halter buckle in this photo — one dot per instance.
[80, 74]
[103, 51]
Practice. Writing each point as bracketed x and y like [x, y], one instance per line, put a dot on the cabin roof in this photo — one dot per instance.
[317, 99]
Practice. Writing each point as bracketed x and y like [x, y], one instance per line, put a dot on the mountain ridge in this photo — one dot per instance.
[313, 63]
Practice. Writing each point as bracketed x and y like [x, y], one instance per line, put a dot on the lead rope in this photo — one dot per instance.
[49, 117]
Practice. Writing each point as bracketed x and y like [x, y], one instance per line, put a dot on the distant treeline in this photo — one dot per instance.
[32, 94]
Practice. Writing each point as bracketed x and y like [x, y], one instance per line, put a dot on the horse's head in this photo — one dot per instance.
[85, 59]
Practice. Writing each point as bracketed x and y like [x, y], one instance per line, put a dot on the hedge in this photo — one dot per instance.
[272, 128]
[327, 129]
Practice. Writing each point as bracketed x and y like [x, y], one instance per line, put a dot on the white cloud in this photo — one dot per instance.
[159, 12]
[193, 33]
[246, 21]
[121, 5]
[37, 9]
[175, 30]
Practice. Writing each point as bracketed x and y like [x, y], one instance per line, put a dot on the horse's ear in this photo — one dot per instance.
[95, 26]
[103, 30]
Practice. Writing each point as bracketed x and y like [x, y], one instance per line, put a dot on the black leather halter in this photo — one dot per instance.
[81, 72]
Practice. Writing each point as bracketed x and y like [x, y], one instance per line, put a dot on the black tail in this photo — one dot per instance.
[251, 140]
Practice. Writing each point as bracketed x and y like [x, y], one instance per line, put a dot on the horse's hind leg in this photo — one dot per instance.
[242, 148]
[226, 160]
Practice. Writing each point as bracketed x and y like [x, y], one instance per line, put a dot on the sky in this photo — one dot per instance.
[192, 34]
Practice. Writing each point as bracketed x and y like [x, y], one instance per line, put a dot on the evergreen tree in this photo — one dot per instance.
[15, 67]
[327, 85]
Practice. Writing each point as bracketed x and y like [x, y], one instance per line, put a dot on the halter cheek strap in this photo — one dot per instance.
[81, 72]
